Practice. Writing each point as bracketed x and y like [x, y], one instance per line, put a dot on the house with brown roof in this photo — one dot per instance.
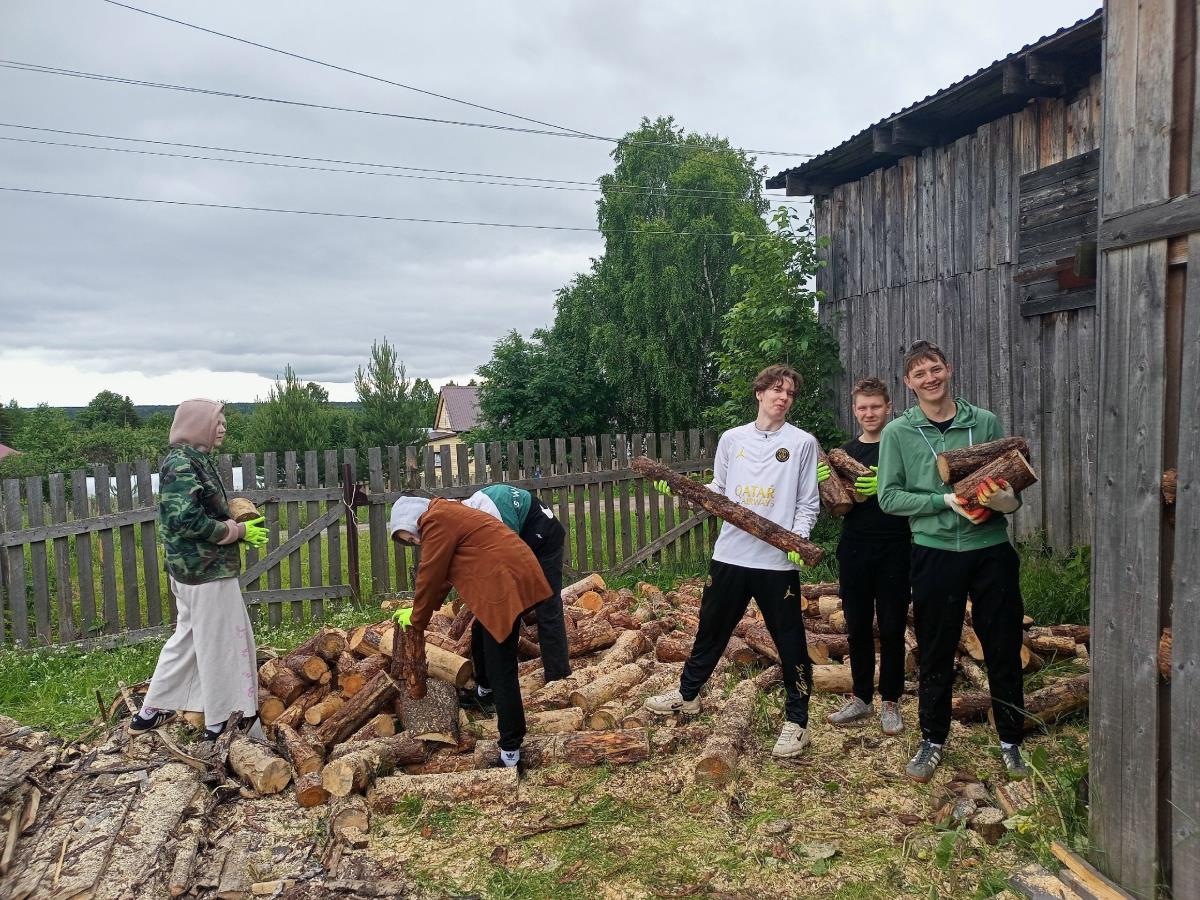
[457, 412]
[6, 451]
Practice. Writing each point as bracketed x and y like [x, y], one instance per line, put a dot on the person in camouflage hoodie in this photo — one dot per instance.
[209, 664]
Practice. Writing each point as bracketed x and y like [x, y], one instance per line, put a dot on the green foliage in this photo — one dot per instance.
[291, 418]
[536, 388]
[775, 321]
[1056, 586]
[387, 414]
[425, 398]
[109, 408]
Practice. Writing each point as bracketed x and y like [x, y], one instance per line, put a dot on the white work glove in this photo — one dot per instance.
[997, 494]
[974, 516]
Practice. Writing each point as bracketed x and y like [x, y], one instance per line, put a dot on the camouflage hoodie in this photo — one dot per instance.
[199, 536]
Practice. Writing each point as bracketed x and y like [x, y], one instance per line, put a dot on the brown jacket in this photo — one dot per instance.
[497, 576]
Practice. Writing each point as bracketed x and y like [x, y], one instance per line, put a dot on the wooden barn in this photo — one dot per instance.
[969, 219]
[1060, 280]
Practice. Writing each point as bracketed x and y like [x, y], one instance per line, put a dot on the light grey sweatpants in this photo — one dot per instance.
[209, 664]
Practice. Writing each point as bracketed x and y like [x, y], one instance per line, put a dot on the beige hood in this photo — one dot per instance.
[195, 424]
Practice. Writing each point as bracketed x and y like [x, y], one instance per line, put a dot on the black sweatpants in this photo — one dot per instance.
[874, 583]
[941, 582]
[546, 537]
[726, 596]
[499, 672]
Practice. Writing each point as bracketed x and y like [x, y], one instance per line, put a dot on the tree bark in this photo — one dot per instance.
[1044, 641]
[270, 707]
[304, 758]
[724, 508]
[820, 589]
[719, 759]
[435, 716]
[444, 761]
[357, 672]
[353, 772]
[1055, 701]
[257, 766]
[970, 706]
[1164, 654]
[591, 582]
[614, 684]
[581, 748]
[670, 648]
[455, 787]
[309, 790]
[1170, 480]
[367, 640]
[1011, 467]
[293, 716]
[287, 685]
[328, 643]
[382, 725]
[594, 634]
[1081, 634]
[629, 645]
[974, 673]
[849, 469]
[550, 721]
[355, 712]
[319, 712]
[954, 465]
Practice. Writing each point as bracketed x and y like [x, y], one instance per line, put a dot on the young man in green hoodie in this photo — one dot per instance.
[954, 557]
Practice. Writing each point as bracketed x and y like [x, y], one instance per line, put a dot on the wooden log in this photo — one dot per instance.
[605, 716]
[368, 640]
[1011, 467]
[969, 643]
[349, 812]
[731, 731]
[819, 589]
[268, 670]
[589, 600]
[550, 721]
[354, 673]
[441, 762]
[758, 639]
[1043, 641]
[954, 465]
[592, 582]
[454, 787]
[308, 666]
[270, 707]
[310, 791]
[1055, 701]
[838, 620]
[989, 823]
[833, 679]
[849, 469]
[628, 646]
[294, 714]
[319, 712]
[328, 643]
[738, 652]
[257, 766]
[828, 604]
[1170, 480]
[461, 623]
[739, 516]
[354, 772]
[287, 685]
[1081, 634]
[835, 499]
[380, 726]
[594, 634]
[303, 757]
[434, 717]
[180, 880]
[670, 648]
[614, 684]
[973, 673]
[235, 880]
[835, 646]
[582, 748]
[1164, 653]
[355, 712]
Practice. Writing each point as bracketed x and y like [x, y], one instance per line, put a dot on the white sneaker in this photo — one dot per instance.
[672, 702]
[853, 712]
[792, 741]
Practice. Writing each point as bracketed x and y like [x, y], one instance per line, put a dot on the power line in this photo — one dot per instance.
[409, 87]
[366, 216]
[39, 69]
[691, 193]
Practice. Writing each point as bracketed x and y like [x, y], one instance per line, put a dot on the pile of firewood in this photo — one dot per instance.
[965, 470]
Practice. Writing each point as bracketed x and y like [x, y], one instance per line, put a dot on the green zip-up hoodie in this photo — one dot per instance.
[909, 484]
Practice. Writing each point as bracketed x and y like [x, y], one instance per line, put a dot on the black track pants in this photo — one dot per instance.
[941, 582]
[499, 672]
[726, 596]
[874, 584]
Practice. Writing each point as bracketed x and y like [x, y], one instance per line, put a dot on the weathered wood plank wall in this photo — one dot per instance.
[926, 248]
[1145, 743]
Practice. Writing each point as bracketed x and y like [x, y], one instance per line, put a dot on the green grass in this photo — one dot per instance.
[1056, 586]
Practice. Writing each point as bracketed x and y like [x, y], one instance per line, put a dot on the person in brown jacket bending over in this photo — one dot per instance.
[496, 576]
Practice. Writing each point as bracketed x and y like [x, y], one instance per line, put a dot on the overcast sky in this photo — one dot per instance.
[164, 303]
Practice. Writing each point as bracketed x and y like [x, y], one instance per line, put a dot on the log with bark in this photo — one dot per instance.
[731, 732]
[1045, 641]
[258, 766]
[350, 812]
[455, 787]
[970, 706]
[1164, 653]
[319, 712]
[594, 633]
[954, 465]
[614, 684]
[310, 791]
[367, 640]
[581, 748]
[1081, 634]
[1011, 467]
[382, 725]
[973, 673]
[1170, 481]
[1055, 701]
[820, 589]
[434, 717]
[353, 673]
[294, 714]
[850, 469]
[591, 582]
[672, 648]
[328, 643]
[270, 707]
[284, 683]
[353, 772]
[304, 758]
[970, 644]
[355, 712]
[550, 721]
[836, 678]
[724, 508]
[441, 762]
[834, 497]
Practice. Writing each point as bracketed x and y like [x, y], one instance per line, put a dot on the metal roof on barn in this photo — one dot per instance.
[1054, 66]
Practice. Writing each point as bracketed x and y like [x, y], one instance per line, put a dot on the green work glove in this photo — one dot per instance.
[663, 488]
[822, 472]
[867, 485]
[795, 559]
[256, 534]
[403, 617]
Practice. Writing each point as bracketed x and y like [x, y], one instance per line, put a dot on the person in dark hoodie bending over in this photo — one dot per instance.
[497, 577]
[953, 557]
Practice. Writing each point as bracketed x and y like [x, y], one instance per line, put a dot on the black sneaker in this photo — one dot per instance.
[1015, 766]
[139, 725]
[468, 698]
[922, 766]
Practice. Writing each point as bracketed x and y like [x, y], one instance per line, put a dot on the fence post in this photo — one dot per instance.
[351, 532]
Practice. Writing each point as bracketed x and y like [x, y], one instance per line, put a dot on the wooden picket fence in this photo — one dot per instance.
[86, 569]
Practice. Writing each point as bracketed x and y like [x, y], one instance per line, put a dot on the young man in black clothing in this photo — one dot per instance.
[873, 558]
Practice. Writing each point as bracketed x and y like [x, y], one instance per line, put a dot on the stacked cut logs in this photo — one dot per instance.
[968, 468]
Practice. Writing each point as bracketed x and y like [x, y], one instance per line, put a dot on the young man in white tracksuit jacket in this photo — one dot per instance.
[770, 467]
